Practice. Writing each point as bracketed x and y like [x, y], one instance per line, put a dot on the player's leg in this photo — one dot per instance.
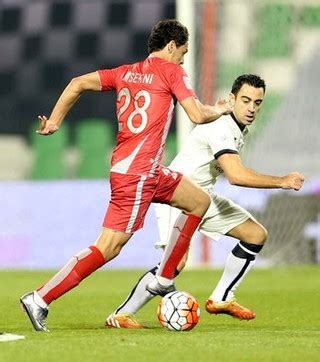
[123, 316]
[240, 261]
[107, 246]
[194, 202]
[130, 199]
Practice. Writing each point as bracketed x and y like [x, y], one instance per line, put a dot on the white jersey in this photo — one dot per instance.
[205, 143]
[198, 160]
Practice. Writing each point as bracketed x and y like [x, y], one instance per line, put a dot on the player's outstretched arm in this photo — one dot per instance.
[238, 174]
[203, 113]
[70, 95]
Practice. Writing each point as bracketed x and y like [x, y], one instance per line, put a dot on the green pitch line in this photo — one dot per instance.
[287, 327]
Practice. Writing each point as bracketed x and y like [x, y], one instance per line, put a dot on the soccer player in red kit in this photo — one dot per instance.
[146, 94]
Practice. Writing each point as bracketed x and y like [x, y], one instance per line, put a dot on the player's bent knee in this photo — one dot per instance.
[111, 243]
[261, 235]
[203, 203]
[254, 234]
[265, 235]
[110, 250]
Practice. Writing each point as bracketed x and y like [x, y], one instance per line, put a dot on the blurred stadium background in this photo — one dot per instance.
[53, 191]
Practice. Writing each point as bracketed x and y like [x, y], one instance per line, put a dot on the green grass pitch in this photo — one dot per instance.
[287, 327]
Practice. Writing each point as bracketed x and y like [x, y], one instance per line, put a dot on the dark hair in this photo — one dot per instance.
[165, 31]
[250, 79]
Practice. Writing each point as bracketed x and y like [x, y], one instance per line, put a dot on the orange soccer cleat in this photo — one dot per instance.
[123, 321]
[231, 307]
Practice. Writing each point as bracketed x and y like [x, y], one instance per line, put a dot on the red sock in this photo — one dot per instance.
[179, 242]
[77, 268]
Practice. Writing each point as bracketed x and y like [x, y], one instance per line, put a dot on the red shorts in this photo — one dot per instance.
[131, 196]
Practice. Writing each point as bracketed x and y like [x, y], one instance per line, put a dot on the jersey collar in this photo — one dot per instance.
[241, 126]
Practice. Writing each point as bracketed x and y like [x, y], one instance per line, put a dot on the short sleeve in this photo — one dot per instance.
[220, 140]
[181, 84]
[108, 78]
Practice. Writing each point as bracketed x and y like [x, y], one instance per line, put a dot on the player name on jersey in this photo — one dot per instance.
[132, 77]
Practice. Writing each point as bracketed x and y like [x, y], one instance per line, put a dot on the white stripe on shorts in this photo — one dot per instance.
[136, 205]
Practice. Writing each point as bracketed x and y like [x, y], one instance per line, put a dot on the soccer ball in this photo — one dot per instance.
[178, 311]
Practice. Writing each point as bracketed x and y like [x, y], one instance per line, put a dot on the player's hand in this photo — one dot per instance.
[46, 127]
[224, 105]
[293, 181]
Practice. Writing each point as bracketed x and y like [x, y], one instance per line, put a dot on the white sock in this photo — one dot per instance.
[234, 272]
[139, 296]
[41, 303]
[164, 281]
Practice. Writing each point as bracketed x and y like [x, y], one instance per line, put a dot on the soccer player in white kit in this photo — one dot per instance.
[210, 150]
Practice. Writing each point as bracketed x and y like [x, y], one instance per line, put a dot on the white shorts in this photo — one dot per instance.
[222, 216]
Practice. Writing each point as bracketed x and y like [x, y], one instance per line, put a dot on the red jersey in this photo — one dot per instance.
[146, 93]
